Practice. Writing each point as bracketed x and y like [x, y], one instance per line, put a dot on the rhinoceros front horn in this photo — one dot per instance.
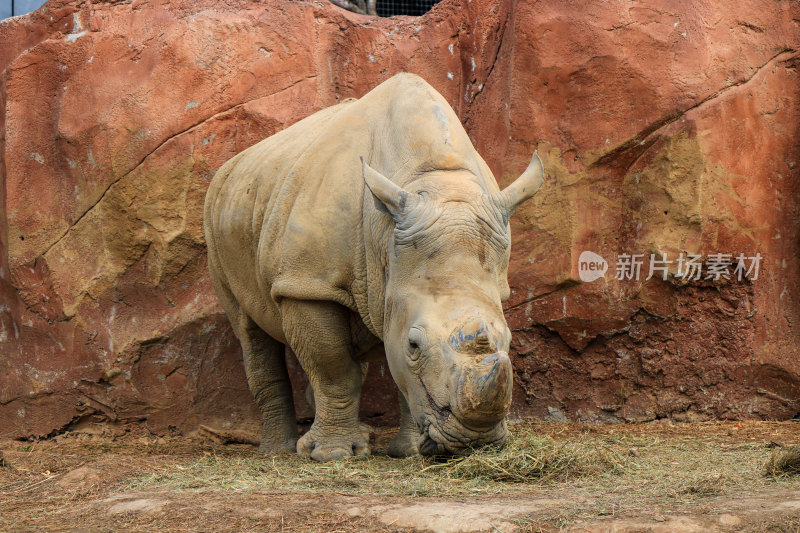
[525, 186]
[389, 197]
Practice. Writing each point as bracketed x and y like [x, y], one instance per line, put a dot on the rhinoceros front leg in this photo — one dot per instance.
[319, 334]
[366, 430]
[404, 444]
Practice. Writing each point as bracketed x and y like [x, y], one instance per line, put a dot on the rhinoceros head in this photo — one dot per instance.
[445, 336]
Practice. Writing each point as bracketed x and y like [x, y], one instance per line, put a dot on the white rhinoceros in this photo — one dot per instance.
[402, 253]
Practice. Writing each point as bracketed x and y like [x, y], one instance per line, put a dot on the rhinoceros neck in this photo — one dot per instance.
[369, 283]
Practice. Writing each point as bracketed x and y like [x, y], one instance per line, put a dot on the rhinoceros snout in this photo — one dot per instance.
[472, 337]
[483, 393]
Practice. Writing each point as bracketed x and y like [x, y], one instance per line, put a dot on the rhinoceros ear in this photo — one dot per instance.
[389, 197]
[525, 186]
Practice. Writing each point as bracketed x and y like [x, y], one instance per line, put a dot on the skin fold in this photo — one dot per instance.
[370, 229]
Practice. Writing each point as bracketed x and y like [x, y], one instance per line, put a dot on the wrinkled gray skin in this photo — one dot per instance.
[402, 254]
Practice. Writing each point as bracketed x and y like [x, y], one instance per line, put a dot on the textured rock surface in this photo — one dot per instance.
[667, 127]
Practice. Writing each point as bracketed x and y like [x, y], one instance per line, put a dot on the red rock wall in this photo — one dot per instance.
[666, 126]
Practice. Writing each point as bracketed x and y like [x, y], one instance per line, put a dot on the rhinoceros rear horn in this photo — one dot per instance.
[389, 197]
[525, 186]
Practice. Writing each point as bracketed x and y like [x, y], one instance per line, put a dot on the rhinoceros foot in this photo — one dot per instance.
[270, 447]
[404, 444]
[323, 447]
[368, 432]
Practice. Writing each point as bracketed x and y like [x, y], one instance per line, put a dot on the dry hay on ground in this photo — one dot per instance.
[784, 462]
[550, 476]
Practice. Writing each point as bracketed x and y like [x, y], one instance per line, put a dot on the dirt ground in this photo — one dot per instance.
[670, 477]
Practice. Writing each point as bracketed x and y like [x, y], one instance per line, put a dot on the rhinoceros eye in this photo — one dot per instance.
[415, 341]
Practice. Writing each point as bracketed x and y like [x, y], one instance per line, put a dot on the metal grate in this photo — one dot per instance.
[382, 8]
[387, 8]
[415, 8]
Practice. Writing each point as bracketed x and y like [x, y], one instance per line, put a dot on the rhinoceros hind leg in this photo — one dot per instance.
[319, 334]
[265, 366]
[404, 444]
[267, 377]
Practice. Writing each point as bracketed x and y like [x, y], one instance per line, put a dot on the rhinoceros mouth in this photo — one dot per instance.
[451, 437]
